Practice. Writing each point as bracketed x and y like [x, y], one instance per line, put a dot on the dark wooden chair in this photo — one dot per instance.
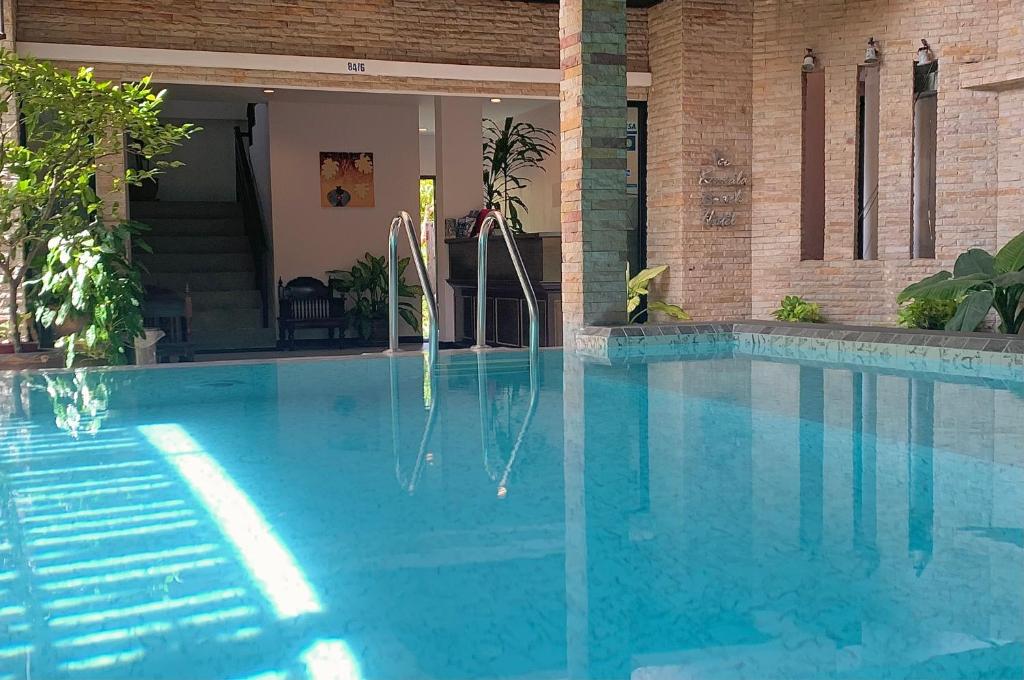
[171, 313]
[307, 302]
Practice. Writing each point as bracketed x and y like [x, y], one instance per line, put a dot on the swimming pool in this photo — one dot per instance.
[715, 516]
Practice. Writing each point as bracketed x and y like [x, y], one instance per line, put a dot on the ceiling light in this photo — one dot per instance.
[495, 100]
[423, 129]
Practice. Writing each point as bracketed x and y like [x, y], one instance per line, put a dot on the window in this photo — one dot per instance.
[866, 246]
[812, 169]
[926, 109]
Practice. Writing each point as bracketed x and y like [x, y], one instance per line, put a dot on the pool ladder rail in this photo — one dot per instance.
[404, 220]
[496, 219]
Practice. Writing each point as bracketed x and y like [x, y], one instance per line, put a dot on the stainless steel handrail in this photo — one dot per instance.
[404, 219]
[496, 218]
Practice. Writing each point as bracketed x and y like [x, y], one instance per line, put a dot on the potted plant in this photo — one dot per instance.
[56, 136]
[367, 283]
[979, 282]
[509, 149]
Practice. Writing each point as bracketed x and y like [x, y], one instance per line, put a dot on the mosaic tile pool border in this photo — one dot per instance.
[969, 354]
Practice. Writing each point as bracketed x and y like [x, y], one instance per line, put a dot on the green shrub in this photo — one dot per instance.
[980, 282]
[795, 308]
[929, 314]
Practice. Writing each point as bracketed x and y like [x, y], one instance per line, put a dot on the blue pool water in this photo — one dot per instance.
[719, 517]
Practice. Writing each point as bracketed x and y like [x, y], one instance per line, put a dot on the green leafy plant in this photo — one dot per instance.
[367, 283]
[509, 149]
[795, 308]
[88, 278]
[70, 128]
[984, 282]
[926, 313]
[638, 286]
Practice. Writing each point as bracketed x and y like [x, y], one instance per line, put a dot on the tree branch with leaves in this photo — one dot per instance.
[57, 127]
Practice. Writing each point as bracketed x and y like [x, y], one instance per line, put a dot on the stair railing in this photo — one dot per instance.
[247, 194]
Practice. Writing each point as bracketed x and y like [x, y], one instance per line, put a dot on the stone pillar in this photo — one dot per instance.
[592, 36]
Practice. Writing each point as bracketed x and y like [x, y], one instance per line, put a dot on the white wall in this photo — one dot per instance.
[309, 239]
[259, 154]
[459, 185]
[428, 155]
[543, 195]
[209, 158]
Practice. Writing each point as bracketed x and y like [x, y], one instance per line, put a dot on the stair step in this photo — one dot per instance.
[227, 318]
[204, 300]
[197, 262]
[236, 338]
[163, 243]
[201, 209]
[199, 281]
[192, 226]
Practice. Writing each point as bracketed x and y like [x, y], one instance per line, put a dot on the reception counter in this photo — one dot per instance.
[508, 318]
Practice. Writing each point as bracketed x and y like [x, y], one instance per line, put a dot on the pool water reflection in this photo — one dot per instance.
[719, 517]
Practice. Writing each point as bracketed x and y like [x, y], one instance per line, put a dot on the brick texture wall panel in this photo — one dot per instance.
[967, 161]
[699, 103]
[437, 31]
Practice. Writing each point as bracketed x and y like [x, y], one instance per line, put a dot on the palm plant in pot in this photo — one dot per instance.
[510, 149]
[367, 284]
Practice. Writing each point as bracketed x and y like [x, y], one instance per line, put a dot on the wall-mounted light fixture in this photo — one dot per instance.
[924, 53]
[809, 61]
[268, 91]
[871, 53]
[495, 100]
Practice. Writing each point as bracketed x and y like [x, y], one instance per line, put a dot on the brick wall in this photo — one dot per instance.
[699, 104]
[726, 76]
[961, 33]
[441, 31]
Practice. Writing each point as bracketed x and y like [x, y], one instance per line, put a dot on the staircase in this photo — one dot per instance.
[203, 245]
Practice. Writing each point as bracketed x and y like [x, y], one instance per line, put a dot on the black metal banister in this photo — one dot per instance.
[247, 194]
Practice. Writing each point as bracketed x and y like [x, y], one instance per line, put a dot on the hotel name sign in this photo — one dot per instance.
[722, 189]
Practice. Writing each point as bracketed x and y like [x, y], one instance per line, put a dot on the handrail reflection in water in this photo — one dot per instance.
[409, 484]
[485, 416]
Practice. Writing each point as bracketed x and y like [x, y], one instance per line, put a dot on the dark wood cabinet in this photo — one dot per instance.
[508, 318]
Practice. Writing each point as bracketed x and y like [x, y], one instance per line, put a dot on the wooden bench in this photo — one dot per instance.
[171, 313]
[307, 302]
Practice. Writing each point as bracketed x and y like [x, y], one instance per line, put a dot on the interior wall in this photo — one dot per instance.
[309, 240]
[428, 155]
[543, 194]
[259, 154]
[208, 173]
[459, 185]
